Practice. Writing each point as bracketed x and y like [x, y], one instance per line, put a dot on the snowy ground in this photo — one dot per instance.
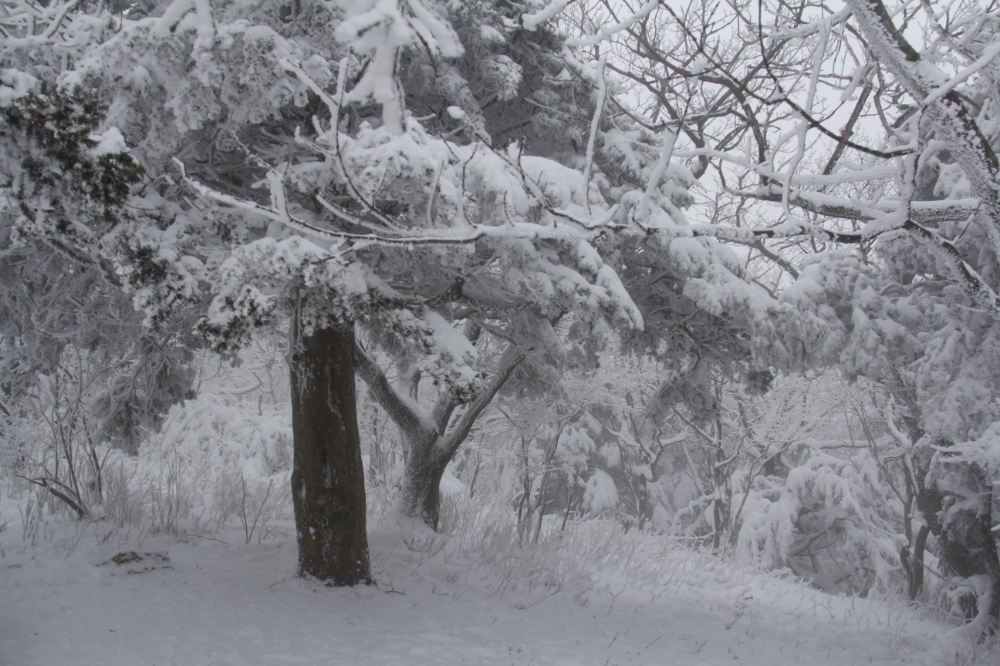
[198, 601]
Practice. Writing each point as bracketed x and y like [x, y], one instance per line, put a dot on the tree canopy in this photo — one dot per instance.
[471, 201]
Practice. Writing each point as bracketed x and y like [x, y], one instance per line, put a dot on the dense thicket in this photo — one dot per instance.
[485, 208]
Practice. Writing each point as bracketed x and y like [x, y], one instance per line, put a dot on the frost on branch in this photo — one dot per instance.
[268, 279]
[378, 29]
[157, 261]
[52, 153]
[168, 86]
[259, 280]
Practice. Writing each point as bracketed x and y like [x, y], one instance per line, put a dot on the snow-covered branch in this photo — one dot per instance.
[509, 361]
[400, 410]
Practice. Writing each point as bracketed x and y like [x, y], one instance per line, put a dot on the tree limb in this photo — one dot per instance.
[399, 410]
[449, 445]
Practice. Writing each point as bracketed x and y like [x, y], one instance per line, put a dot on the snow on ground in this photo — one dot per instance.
[193, 601]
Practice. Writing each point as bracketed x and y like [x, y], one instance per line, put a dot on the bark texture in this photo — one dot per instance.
[328, 485]
[421, 493]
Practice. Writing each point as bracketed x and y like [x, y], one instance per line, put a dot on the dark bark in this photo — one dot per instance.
[913, 565]
[917, 497]
[328, 486]
[991, 553]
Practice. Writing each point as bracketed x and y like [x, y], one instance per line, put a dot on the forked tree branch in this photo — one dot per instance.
[449, 445]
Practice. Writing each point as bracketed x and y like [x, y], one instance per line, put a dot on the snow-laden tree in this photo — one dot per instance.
[278, 185]
[63, 185]
[420, 229]
[812, 493]
[865, 136]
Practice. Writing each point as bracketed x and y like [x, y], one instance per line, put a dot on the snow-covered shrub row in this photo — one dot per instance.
[801, 494]
[211, 457]
[208, 432]
[805, 477]
[827, 509]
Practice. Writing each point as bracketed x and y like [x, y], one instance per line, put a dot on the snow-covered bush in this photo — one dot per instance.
[54, 438]
[831, 519]
[209, 458]
[214, 458]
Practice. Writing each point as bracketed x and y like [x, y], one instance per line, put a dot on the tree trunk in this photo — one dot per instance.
[991, 553]
[422, 480]
[428, 452]
[644, 508]
[914, 565]
[328, 485]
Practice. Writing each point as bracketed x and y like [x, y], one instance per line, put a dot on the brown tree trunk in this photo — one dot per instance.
[328, 485]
